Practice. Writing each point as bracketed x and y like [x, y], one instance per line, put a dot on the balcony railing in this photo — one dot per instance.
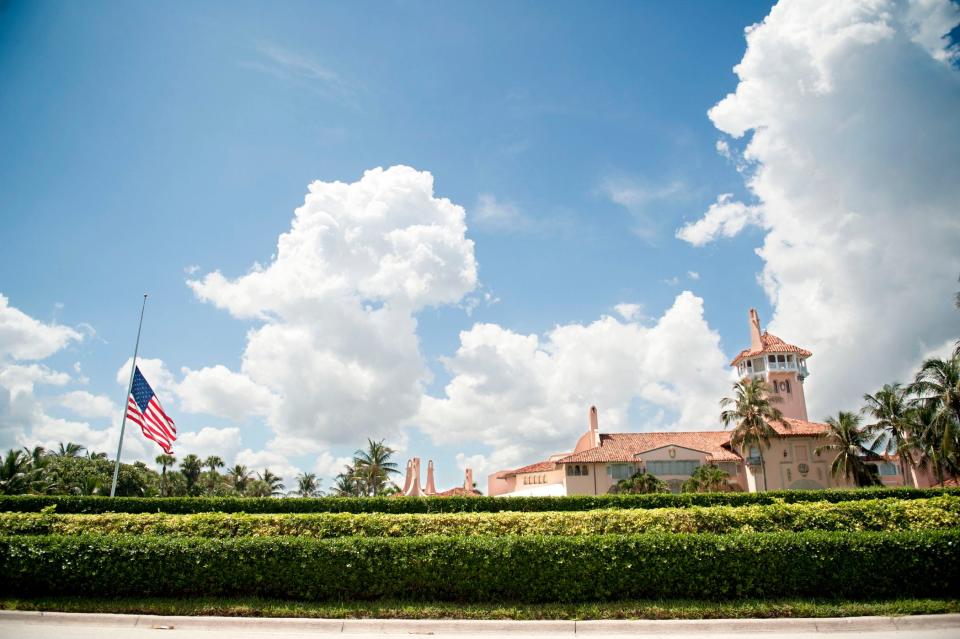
[753, 460]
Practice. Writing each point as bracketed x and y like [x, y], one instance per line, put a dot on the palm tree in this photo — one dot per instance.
[641, 482]
[274, 483]
[14, 472]
[239, 476]
[752, 413]
[890, 407]
[95, 456]
[938, 382]
[191, 467]
[845, 437]
[345, 484]
[926, 441]
[707, 479]
[213, 463]
[307, 485]
[373, 466]
[165, 461]
[70, 450]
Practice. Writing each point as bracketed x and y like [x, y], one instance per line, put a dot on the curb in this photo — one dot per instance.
[450, 626]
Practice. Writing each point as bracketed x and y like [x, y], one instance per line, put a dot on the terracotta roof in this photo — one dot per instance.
[948, 483]
[538, 467]
[771, 344]
[799, 428]
[624, 447]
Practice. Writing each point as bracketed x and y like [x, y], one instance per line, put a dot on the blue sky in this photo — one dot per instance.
[147, 144]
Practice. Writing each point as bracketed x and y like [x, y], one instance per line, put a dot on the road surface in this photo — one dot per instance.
[34, 625]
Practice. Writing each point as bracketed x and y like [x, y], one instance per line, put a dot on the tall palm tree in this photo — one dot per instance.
[165, 461]
[191, 467]
[213, 463]
[938, 382]
[373, 465]
[849, 441]
[307, 485]
[239, 476]
[751, 412]
[70, 450]
[273, 482]
[890, 408]
[926, 441]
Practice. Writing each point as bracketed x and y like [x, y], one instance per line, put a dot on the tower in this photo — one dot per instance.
[783, 366]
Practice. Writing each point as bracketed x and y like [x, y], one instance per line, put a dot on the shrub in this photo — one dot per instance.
[531, 569]
[185, 505]
[879, 514]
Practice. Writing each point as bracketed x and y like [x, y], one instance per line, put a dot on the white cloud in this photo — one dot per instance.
[629, 312]
[22, 337]
[693, 275]
[725, 218]
[19, 378]
[526, 395]
[222, 442]
[852, 113]
[216, 390]
[338, 344]
[85, 404]
[278, 464]
[327, 466]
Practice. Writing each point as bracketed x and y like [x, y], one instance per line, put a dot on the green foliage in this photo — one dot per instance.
[515, 568]
[72, 504]
[877, 515]
[707, 479]
[639, 484]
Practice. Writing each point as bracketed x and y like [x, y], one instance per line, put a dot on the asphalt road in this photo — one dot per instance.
[23, 625]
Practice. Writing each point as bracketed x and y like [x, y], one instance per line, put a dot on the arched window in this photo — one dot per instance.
[570, 469]
[576, 470]
[586, 470]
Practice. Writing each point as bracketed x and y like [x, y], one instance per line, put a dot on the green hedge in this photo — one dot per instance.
[937, 513]
[187, 505]
[519, 569]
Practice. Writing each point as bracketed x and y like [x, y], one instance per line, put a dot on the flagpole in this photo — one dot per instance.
[126, 398]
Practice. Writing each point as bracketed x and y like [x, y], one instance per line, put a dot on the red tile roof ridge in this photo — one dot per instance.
[771, 344]
[536, 467]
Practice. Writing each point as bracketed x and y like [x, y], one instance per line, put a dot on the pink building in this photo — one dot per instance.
[599, 460]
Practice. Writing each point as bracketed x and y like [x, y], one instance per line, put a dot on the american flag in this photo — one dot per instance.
[143, 409]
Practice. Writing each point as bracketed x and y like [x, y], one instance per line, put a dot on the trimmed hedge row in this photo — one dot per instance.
[397, 505]
[521, 569]
[937, 513]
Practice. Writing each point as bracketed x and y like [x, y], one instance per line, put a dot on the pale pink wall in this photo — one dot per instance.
[497, 485]
[595, 483]
[529, 480]
[794, 403]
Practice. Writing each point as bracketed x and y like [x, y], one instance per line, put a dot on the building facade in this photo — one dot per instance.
[599, 460]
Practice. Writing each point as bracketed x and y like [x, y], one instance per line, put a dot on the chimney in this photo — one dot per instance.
[414, 489]
[431, 488]
[468, 479]
[409, 480]
[756, 344]
[594, 422]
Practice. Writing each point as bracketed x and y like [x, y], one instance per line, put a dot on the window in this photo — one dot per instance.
[569, 469]
[786, 385]
[620, 471]
[586, 471]
[887, 469]
[576, 471]
[672, 467]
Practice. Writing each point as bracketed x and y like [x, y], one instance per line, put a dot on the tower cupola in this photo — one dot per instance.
[783, 366]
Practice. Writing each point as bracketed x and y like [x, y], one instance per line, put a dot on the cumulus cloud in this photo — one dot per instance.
[629, 311]
[725, 218]
[25, 338]
[851, 109]
[217, 390]
[222, 442]
[527, 395]
[337, 345]
[85, 404]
